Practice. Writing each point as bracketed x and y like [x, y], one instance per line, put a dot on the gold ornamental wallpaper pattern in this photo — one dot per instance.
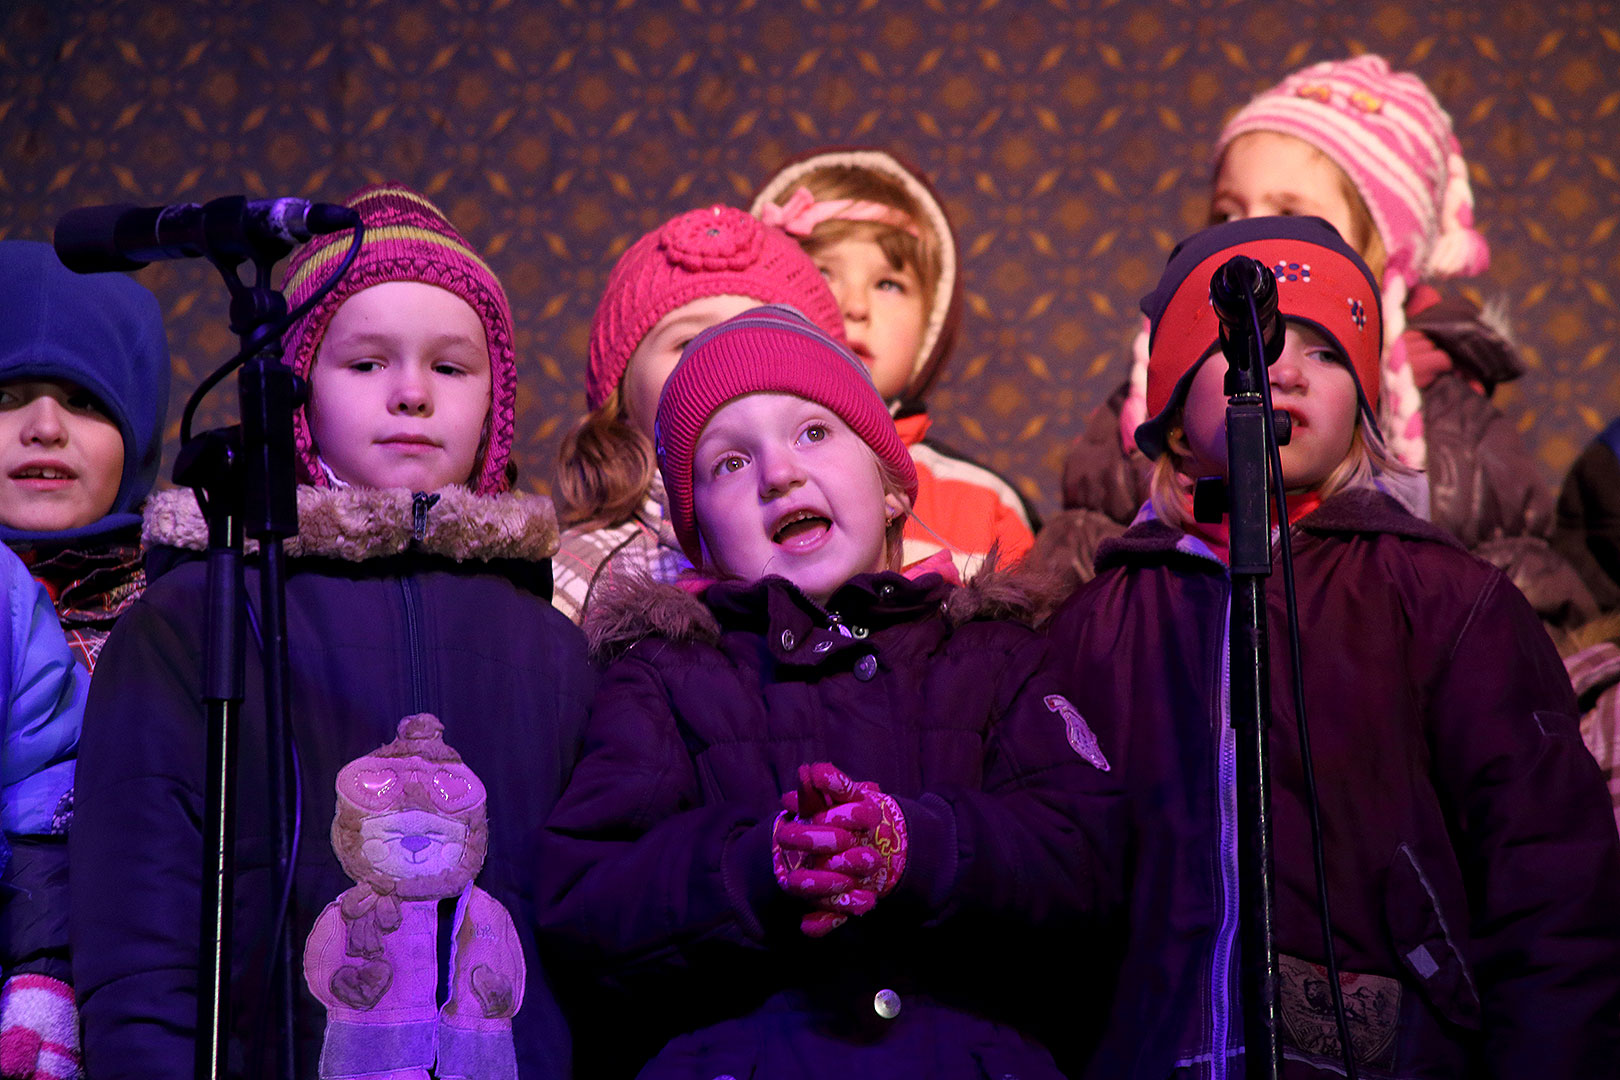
[1069, 138]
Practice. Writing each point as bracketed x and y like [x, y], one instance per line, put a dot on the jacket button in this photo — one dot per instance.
[823, 646]
[866, 667]
[886, 1003]
[788, 640]
[885, 590]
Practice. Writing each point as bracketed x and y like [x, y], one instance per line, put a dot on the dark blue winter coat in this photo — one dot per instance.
[658, 867]
[384, 620]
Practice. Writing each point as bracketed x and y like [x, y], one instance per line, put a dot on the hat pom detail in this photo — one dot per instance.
[723, 239]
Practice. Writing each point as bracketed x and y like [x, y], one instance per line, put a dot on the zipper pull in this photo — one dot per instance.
[421, 503]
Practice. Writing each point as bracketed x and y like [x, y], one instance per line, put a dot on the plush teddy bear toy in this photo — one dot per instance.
[420, 970]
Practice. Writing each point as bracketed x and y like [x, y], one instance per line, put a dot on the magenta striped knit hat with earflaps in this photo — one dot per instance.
[772, 349]
[407, 239]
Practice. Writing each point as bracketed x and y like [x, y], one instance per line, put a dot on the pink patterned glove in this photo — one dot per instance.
[39, 1029]
[839, 844]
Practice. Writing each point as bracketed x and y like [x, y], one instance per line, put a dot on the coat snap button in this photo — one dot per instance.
[886, 1003]
[885, 591]
[823, 646]
[866, 667]
[788, 640]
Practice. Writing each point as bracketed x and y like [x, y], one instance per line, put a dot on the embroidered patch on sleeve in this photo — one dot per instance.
[1081, 736]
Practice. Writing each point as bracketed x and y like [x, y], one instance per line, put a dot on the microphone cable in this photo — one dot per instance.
[1291, 604]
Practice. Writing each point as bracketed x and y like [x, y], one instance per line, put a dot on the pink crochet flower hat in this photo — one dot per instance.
[716, 251]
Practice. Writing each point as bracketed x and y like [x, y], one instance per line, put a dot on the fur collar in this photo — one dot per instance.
[355, 524]
[632, 607]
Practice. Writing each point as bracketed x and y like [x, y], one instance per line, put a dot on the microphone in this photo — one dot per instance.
[93, 239]
[1229, 292]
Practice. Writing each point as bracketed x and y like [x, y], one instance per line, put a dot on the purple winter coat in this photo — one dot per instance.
[658, 865]
[1473, 865]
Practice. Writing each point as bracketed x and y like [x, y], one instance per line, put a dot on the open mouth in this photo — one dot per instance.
[801, 529]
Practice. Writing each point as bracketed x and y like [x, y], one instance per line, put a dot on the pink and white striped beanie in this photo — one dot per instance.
[1390, 136]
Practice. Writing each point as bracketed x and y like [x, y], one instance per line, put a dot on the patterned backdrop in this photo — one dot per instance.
[1069, 138]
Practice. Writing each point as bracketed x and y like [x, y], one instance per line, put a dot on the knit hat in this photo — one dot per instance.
[102, 332]
[1321, 282]
[407, 239]
[716, 251]
[771, 349]
[1390, 136]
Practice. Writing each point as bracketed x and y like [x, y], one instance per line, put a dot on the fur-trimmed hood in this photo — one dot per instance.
[632, 608]
[945, 306]
[355, 524]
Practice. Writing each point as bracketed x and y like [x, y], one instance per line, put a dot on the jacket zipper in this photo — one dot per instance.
[421, 503]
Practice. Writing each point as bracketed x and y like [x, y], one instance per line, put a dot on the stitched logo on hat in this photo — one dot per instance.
[717, 239]
[1081, 737]
[1358, 313]
[1292, 271]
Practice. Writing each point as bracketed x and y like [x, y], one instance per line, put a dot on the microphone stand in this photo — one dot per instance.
[1247, 497]
[244, 482]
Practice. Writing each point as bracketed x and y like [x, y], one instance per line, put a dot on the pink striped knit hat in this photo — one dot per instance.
[407, 239]
[1390, 136]
[716, 251]
[771, 349]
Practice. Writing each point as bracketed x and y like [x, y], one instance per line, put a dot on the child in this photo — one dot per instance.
[961, 787]
[1372, 152]
[1473, 867]
[881, 238]
[417, 584]
[685, 276]
[84, 384]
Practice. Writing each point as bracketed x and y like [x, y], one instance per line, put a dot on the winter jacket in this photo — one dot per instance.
[1587, 532]
[657, 870]
[395, 605]
[587, 560]
[1595, 673]
[959, 501]
[1473, 867]
[42, 692]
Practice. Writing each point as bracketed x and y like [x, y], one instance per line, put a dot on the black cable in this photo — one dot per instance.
[1291, 603]
[275, 334]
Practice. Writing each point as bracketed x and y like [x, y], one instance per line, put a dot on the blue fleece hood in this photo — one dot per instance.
[103, 332]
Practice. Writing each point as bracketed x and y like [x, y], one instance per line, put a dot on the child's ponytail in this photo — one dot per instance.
[605, 469]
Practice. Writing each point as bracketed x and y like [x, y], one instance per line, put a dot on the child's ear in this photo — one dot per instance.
[895, 506]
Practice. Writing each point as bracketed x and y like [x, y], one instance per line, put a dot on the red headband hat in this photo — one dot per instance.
[1321, 283]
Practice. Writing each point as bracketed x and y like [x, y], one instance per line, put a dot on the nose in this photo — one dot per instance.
[42, 425]
[413, 844]
[779, 472]
[1288, 373]
[412, 396]
[852, 302]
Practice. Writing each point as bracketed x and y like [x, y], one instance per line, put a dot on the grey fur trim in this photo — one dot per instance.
[355, 524]
[631, 607]
[1024, 594]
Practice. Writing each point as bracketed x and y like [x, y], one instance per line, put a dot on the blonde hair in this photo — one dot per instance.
[921, 254]
[1170, 489]
[605, 469]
